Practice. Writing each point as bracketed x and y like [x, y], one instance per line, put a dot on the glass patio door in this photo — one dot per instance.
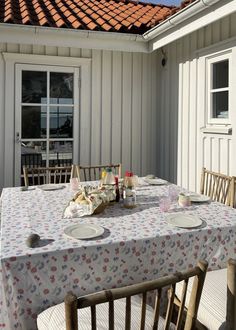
[46, 119]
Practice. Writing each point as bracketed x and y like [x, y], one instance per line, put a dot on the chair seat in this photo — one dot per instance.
[212, 308]
[54, 317]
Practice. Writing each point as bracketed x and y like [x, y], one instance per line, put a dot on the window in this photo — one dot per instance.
[218, 91]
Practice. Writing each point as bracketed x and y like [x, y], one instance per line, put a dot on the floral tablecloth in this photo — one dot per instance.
[137, 245]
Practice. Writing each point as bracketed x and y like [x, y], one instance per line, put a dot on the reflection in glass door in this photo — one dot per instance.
[46, 110]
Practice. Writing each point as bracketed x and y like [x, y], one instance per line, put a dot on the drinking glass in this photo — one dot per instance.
[74, 184]
[165, 203]
[135, 181]
[173, 193]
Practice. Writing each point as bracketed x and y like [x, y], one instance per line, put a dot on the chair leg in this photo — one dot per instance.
[71, 311]
[231, 295]
[198, 325]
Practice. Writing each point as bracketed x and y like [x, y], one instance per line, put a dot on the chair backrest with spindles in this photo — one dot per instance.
[233, 192]
[43, 175]
[216, 185]
[92, 173]
[72, 303]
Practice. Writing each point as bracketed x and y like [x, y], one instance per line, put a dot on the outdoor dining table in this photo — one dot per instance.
[137, 245]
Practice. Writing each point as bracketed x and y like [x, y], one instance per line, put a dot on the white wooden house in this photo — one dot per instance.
[160, 97]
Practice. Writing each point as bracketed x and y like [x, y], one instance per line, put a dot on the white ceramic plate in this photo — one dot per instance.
[150, 176]
[156, 182]
[84, 231]
[199, 198]
[183, 220]
[49, 187]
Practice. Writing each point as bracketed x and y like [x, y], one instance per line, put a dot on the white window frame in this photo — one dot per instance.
[209, 91]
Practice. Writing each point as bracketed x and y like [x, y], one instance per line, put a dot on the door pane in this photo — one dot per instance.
[220, 104]
[60, 153]
[34, 120]
[32, 153]
[61, 88]
[34, 87]
[221, 74]
[61, 122]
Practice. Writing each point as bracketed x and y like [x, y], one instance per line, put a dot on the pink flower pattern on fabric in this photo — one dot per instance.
[137, 245]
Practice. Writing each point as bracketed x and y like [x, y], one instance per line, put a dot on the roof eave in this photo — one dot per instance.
[196, 15]
[65, 37]
[193, 17]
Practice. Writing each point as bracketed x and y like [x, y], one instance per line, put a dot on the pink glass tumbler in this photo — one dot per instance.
[165, 204]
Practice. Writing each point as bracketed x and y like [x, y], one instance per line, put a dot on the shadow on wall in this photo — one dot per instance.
[167, 109]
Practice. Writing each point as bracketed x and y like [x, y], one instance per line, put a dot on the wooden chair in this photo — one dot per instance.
[233, 192]
[216, 186]
[115, 307]
[218, 302]
[44, 175]
[92, 173]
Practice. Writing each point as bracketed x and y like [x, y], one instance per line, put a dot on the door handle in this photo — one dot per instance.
[18, 140]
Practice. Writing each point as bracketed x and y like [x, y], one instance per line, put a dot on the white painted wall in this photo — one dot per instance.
[182, 149]
[119, 123]
[140, 113]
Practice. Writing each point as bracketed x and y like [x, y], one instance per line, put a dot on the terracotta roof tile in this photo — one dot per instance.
[137, 24]
[126, 16]
[113, 22]
[118, 27]
[92, 26]
[106, 27]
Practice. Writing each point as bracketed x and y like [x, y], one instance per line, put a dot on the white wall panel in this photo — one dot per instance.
[121, 124]
[136, 112]
[143, 114]
[182, 76]
[116, 110]
[127, 89]
[96, 111]
[153, 115]
[146, 101]
[50, 50]
[106, 125]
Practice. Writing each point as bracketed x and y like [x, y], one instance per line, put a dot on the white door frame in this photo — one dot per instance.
[18, 111]
[83, 97]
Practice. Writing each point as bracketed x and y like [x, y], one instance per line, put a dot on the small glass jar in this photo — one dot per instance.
[129, 195]
[184, 200]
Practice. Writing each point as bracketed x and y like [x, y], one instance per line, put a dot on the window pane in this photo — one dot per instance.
[221, 74]
[34, 87]
[32, 156]
[61, 88]
[220, 104]
[32, 153]
[60, 153]
[34, 122]
[61, 122]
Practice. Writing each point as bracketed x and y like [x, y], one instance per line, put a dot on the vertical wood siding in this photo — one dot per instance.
[121, 123]
[183, 150]
[143, 114]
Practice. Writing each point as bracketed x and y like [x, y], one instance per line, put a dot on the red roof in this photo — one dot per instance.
[97, 15]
